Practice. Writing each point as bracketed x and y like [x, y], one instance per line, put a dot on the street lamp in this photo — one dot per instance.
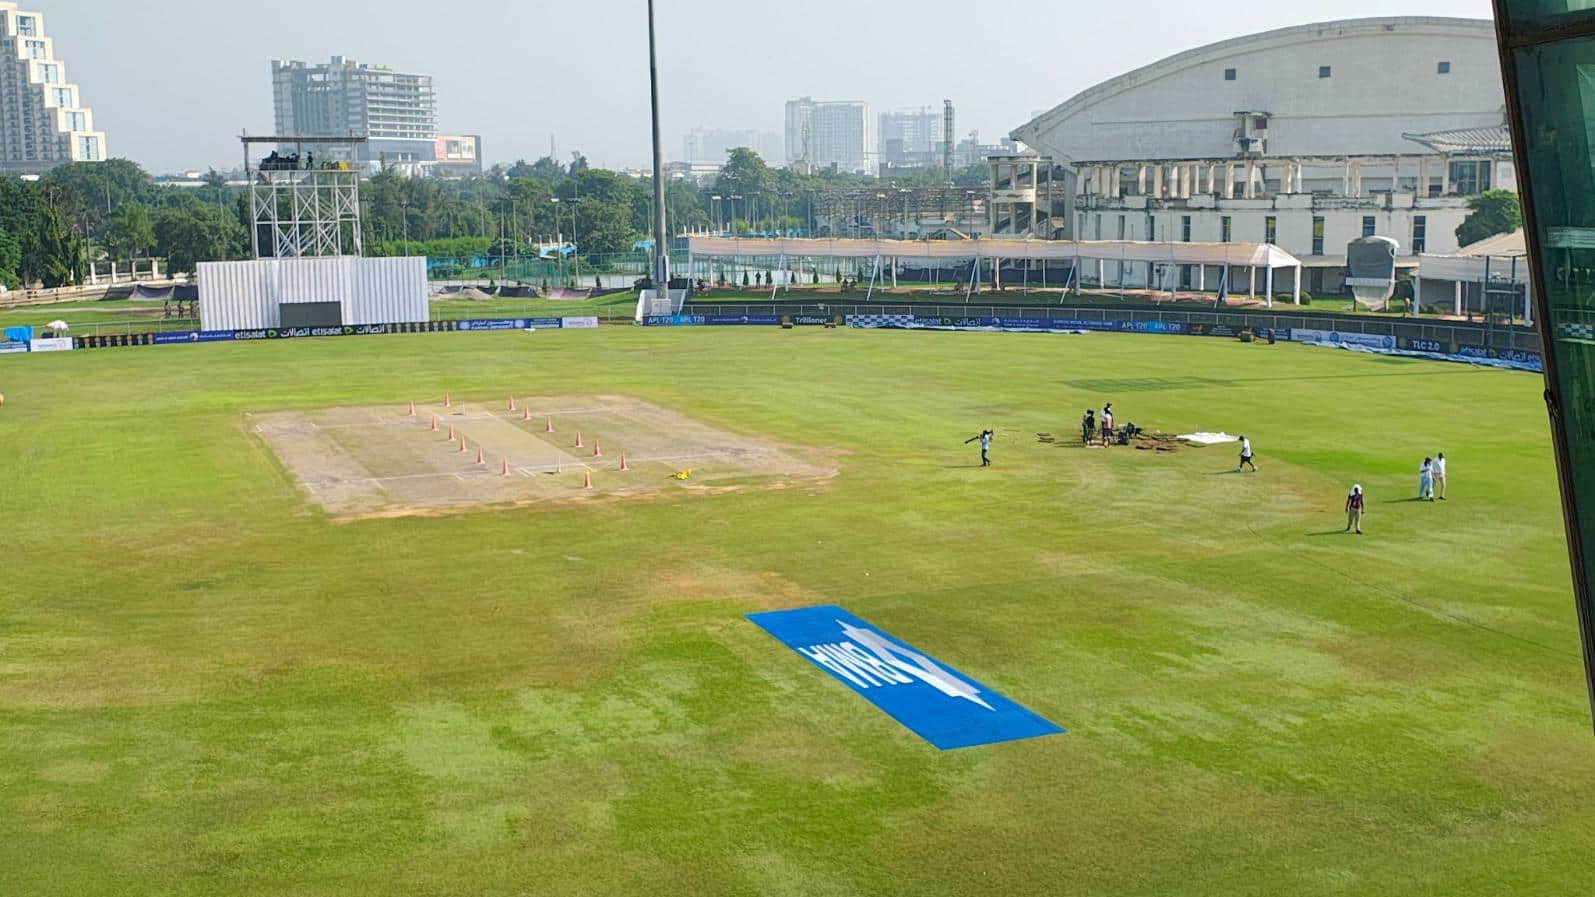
[575, 240]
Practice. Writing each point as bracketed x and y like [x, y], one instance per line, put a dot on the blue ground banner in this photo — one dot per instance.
[1335, 338]
[307, 332]
[989, 325]
[1504, 359]
[510, 324]
[935, 702]
[1173, 327]
[195, 336]
[1532, 360]
[712, 321]
[12, 347]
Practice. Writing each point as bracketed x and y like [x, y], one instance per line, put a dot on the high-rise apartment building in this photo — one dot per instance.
[395, 111]
[714, 145]
[43, 122]
[831, 134]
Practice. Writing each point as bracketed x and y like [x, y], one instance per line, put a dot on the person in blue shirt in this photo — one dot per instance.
[985, 446]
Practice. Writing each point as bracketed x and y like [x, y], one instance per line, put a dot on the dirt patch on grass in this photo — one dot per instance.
[380, 462]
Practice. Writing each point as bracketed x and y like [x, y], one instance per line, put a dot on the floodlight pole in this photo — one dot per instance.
[661, 266]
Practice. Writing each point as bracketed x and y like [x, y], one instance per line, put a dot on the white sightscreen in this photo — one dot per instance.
[246, 295]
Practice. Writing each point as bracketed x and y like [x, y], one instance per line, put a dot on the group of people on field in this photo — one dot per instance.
[1431, 476]
[1431, 487]
[1103, 429]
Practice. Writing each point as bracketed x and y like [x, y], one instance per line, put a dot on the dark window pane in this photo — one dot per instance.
[1556, 92]
[1526, 14]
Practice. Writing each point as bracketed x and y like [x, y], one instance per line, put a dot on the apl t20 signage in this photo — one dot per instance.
[937, 703]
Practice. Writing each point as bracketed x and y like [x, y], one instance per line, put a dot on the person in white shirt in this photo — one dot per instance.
[1426, 480]
[1246, 456]
[1439, 476]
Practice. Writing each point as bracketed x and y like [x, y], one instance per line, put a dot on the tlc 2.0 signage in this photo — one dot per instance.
[936, 702]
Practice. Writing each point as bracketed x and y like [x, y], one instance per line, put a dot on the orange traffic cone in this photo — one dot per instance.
[624, 465]
[452, 437]
[578, 439]
[512, 403]
[526, 414]
[504, 469]
[434, 423]
[587, 480]
[447, 402]
[550, 427]
[598, 448]
[412, 409]
[480, 458]
[463, 449]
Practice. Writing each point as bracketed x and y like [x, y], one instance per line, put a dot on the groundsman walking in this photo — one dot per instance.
[1354, 504]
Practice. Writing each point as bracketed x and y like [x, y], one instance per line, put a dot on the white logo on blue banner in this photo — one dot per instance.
[935, 702]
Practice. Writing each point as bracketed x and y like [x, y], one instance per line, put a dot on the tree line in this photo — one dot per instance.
[53, 228]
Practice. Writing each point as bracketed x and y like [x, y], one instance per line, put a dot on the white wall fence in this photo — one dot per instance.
[113, 272]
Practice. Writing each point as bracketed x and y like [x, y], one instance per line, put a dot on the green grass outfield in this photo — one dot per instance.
[207, 687]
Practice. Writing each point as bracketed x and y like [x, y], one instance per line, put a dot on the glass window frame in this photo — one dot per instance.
[1554, 175]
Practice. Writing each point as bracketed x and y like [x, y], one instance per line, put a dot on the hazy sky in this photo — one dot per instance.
[173, 83]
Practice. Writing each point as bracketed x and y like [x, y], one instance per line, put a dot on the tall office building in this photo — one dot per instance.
[395, 111]
[43, 122]
[913, 138]
[837, 135]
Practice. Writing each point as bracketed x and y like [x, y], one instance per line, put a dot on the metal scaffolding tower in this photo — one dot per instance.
[299, 207]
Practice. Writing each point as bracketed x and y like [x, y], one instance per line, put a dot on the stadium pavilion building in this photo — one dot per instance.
[1306, 137]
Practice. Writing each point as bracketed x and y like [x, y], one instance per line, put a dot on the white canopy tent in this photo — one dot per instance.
[1493, 266]
[1252, 256]
[1464, 276]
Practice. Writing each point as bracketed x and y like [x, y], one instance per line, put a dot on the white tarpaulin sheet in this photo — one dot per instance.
[1210, 438]
[1240, 255]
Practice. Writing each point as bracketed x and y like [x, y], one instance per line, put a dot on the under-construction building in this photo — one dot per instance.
[1031, 196]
